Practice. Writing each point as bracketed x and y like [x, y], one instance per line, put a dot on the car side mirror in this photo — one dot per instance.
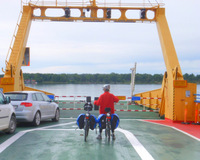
[7, 100]
[51, 100]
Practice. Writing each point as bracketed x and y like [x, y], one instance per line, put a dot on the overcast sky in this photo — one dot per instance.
[69, 47]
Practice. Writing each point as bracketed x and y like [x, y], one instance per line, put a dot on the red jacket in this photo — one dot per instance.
[106, 100]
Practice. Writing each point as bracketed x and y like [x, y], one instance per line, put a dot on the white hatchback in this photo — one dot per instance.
[33, 106]
[7, 115]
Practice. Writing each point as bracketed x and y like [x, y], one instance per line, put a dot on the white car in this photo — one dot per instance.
[7, 115]
[33, 106]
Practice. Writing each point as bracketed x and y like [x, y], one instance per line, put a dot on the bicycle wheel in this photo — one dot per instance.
[108, 131]
[86, 130]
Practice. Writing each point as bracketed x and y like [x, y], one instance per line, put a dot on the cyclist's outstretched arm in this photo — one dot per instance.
[116, 99]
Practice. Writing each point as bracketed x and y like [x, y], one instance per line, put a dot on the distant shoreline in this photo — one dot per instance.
[112, 78]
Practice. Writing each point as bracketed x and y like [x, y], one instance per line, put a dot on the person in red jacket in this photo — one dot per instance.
[106, 100]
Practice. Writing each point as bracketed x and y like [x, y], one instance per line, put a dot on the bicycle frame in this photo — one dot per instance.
[86, 125]
[87, 107]
[108, 123]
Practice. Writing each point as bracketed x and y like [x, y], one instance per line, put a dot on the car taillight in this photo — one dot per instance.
[87, 117]
[108, 117]
[26, 104]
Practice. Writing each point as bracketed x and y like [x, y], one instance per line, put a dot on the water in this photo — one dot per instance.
[94, 90]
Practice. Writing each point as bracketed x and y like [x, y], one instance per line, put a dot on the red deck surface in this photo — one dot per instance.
[191, 129]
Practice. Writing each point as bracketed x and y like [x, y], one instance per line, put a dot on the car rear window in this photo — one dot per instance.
[17, 96]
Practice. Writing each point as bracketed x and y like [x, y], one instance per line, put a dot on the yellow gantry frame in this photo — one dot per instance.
[174, 98]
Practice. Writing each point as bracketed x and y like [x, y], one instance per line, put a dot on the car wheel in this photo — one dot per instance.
[12, 125]
[57, 116]
[37, 119]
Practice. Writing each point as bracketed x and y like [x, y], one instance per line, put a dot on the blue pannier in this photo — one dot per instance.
[102, 121]
[93, 122]
[80, 121]
[114, 121]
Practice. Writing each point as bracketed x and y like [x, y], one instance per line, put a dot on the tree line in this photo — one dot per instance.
[112, 78]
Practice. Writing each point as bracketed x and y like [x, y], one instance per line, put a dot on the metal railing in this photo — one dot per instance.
[77, 103]
[197, 98]
[100, 3]
[13, 38]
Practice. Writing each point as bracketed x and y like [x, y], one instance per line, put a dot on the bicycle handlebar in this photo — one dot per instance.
[107, 110]
[88, 106]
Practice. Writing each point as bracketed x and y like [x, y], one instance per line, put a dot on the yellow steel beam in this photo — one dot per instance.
[13, 73]
[174, 92]
[93, 17]
[171, 61]
[168, 49]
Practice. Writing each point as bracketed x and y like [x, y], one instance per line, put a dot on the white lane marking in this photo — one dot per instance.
[58, 129]
[142, 152]
[174, 129]
[187, 134]
[136, 119]
[63, 124]
[11, 140]
[68, 118]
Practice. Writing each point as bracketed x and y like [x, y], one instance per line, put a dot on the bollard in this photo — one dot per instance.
[88, 99]
[196, 113]
[144, 105]
[96, 107]
[198, 118]
[185, 114]
[196, 121]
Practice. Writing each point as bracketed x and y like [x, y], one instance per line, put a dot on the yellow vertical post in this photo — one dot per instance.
[123, 14]
[168, 49]
[170, 58]
[94, 9]
[16, 57]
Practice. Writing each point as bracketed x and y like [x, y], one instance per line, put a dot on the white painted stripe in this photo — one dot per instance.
[136, 119]
[11, 140]
[142, 152]
[120, 119]
[174, 129]
[187, 134]
[58, 129]
[68, 118]
[63, 124]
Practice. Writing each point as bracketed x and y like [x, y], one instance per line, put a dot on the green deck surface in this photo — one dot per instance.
[62, 140]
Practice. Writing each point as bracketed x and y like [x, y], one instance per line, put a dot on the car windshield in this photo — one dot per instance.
[17, 96]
